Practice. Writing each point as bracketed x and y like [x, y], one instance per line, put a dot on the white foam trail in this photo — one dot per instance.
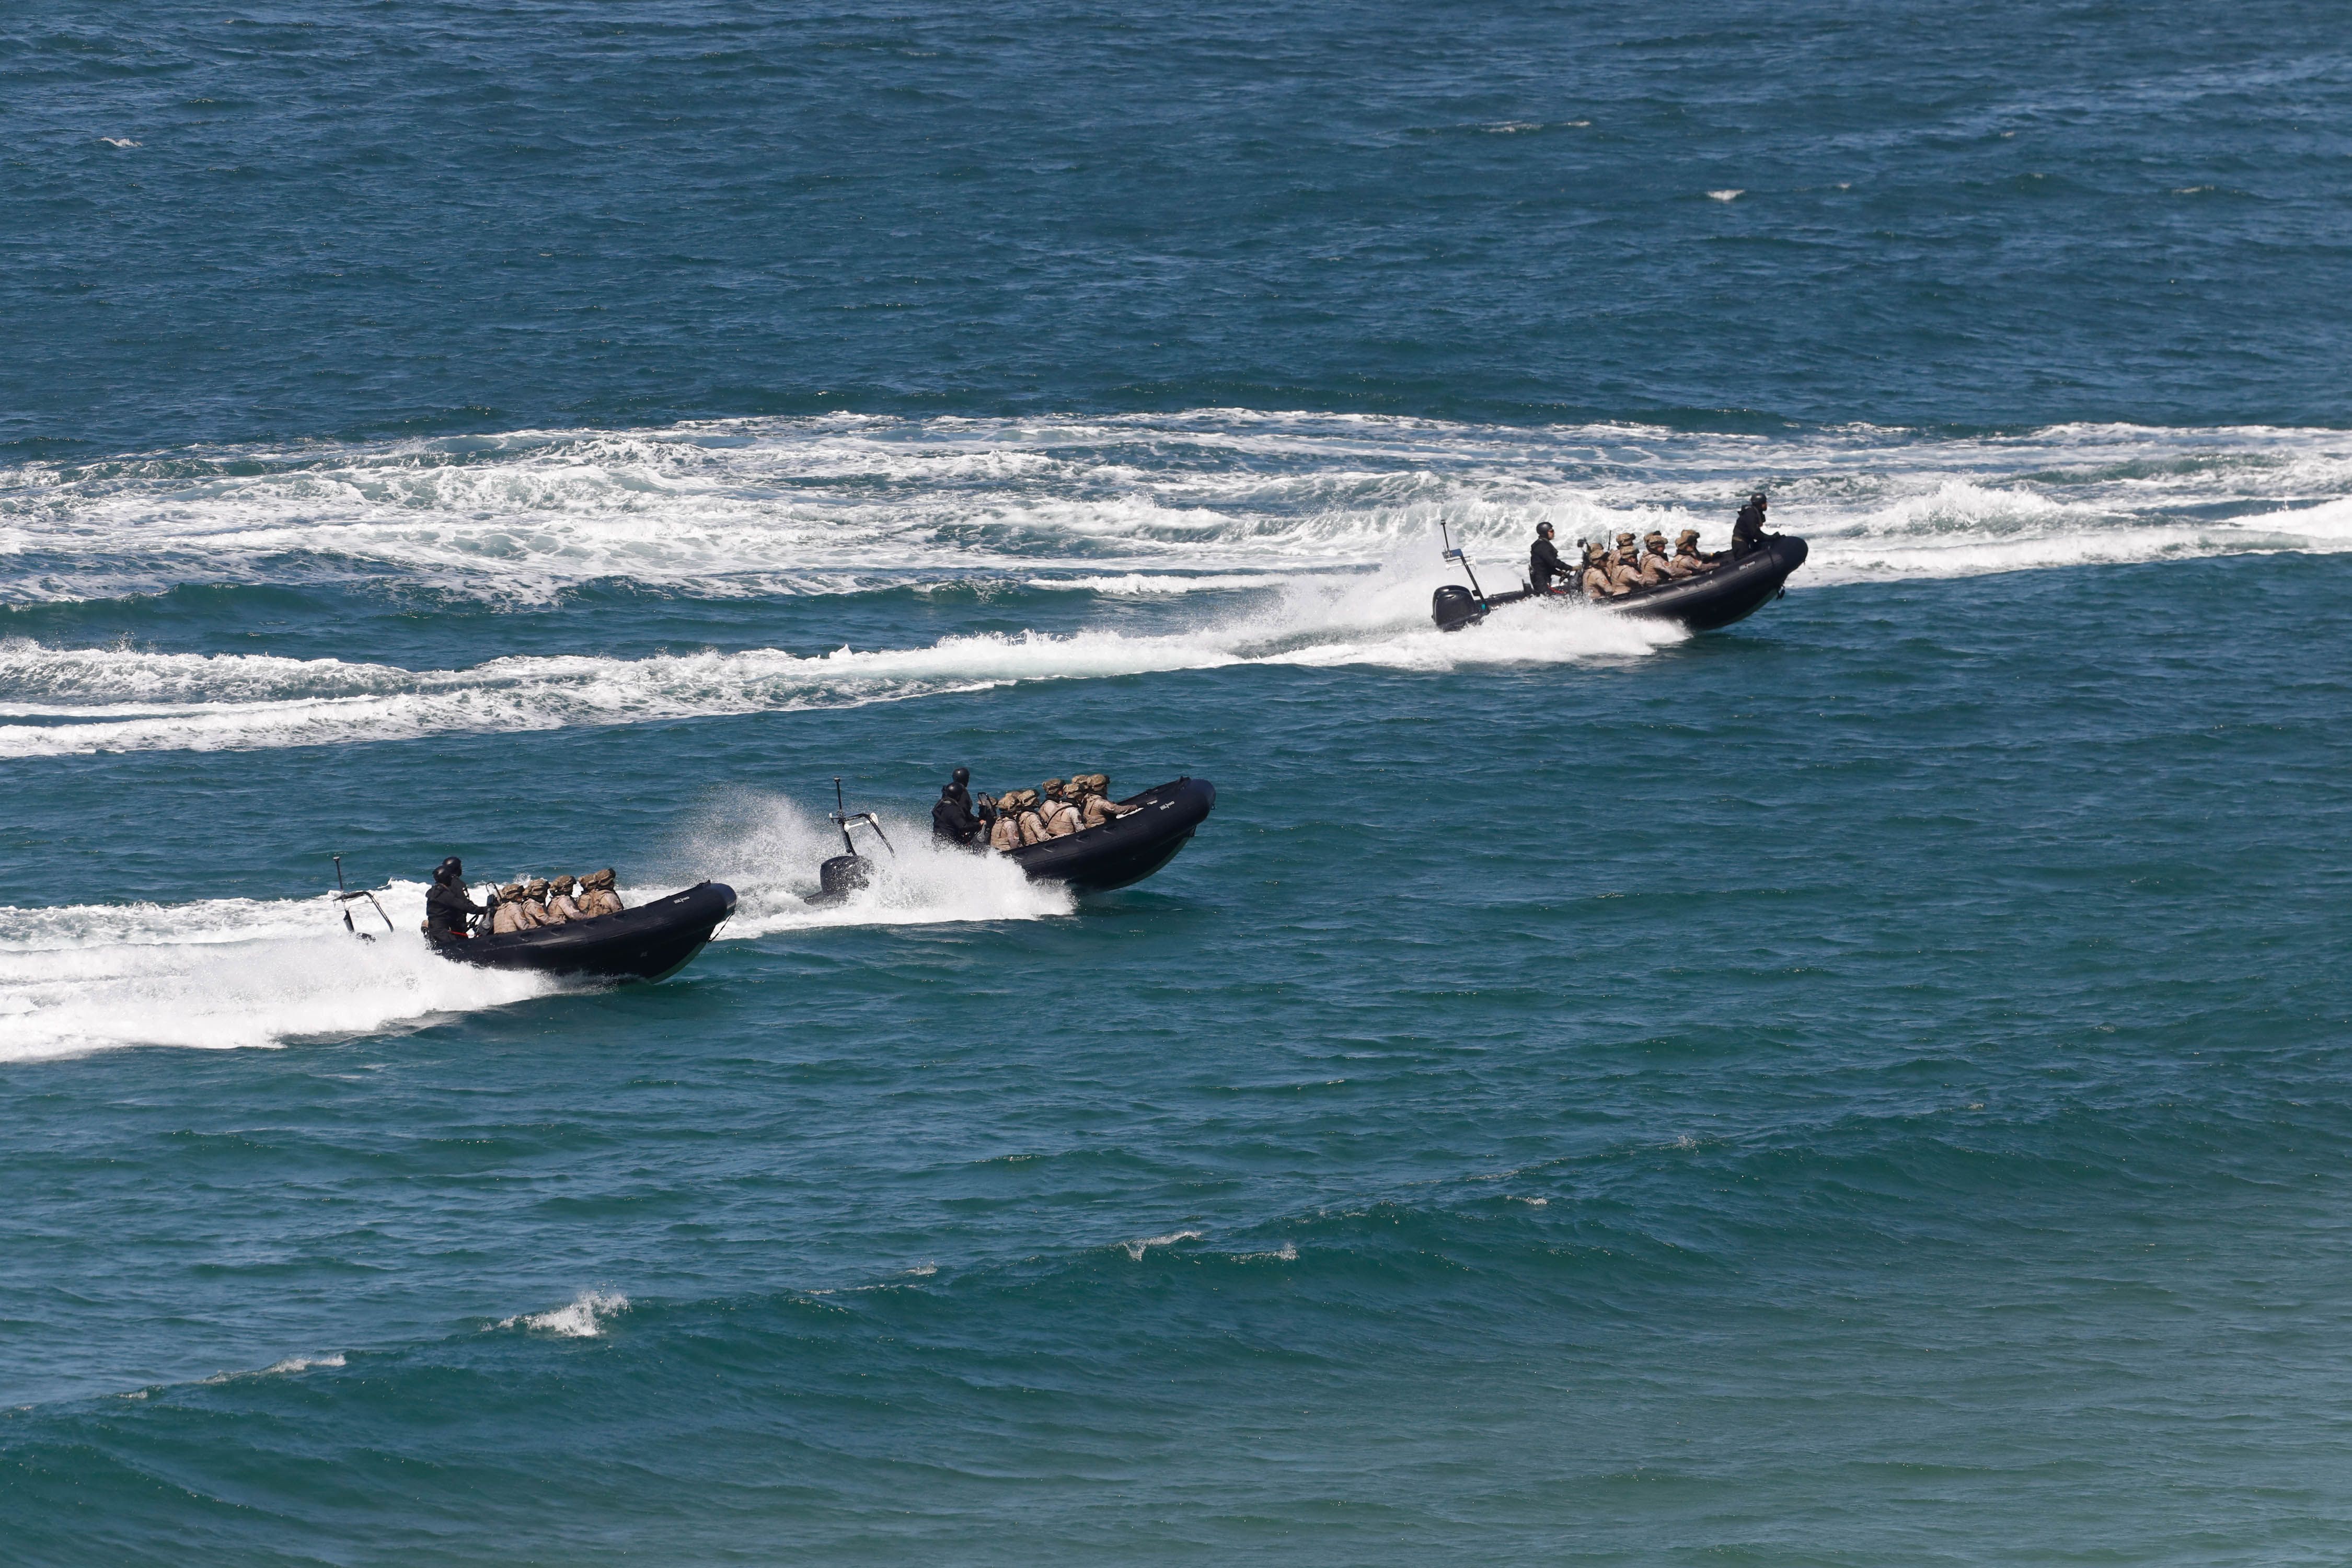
[583, 1318]
[816, 506]
[224, 973]
[771, 849]
[80, 701]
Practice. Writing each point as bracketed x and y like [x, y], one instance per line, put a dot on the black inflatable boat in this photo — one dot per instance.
[1124, 850]
[1128, 849]
[651, 942]
[1732, 592]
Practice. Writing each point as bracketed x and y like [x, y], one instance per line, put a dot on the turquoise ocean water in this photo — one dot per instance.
[1865, 1088]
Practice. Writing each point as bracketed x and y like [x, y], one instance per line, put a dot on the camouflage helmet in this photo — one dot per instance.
[511, 891]
[1687, 536]
[564, 883]
[594, 880]
[1050, 788]
[1623, 539]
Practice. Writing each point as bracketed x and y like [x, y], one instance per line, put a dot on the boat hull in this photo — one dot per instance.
[1125, 851]
[651, 942]
[1704, 603]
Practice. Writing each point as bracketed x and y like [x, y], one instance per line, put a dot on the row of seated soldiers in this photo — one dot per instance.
[1053, 810]
[1609, 573]
[526, 906]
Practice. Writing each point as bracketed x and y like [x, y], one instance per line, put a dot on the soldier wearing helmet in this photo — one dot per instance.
[597, 895]
[1544, 562]
[1687, 561]
[1597, 584]
[1099, 807]
[1060, 817]
[445, 904]
[1747, 533]
[1622, 569]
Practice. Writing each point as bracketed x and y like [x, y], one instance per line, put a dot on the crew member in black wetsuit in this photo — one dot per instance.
[1544, 562]
[951, 819]
[1748, 534]
[445, 904]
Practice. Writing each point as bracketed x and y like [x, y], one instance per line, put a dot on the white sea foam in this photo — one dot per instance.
[1136, 1249]
[66, 702]
[224, 973]
[771, 849]
[582, 1318]
[1271, 537]
[853, 503]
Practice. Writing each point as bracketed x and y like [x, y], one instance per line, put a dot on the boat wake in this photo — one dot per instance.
[770, 849]
[224, 973]
[1205, 500]
[70, 701]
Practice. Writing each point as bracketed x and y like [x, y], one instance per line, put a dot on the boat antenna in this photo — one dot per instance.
[346, 899]
[1453, 555]
[843, 816]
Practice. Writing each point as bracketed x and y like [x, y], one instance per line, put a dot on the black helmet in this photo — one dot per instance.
[1544, 529]
[1760, 499]
[450, 870]
[962, 775]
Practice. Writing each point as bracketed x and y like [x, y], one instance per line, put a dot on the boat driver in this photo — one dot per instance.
[1747, 533]
[952, 818]
[445, 904]
[1544, 562]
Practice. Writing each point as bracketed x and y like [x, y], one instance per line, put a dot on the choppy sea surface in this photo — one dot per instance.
[1865, 1087]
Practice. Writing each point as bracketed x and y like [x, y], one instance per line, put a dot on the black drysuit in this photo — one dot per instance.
[1747, 533]
[1544, 564]
[446, 909]
[951, 819]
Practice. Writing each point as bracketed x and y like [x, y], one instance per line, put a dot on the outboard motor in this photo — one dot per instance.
[841, 876]
[848, 871]
[1454, 607]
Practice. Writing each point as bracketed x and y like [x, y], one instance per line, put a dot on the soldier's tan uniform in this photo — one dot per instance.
[1060, 817]
[1006, 834]
[560, 908]
[514, 912]
[1597, 584]
[1622, 572]
[597, 895]
[1100, 808]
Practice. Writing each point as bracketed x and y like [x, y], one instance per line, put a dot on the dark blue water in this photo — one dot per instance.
[1862, 1087]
